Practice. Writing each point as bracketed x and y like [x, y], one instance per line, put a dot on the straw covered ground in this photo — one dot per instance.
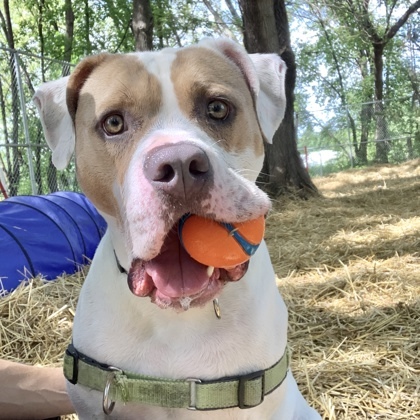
[348, 267]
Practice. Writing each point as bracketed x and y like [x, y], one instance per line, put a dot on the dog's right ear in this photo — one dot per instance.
[57, 105]
[50, 100]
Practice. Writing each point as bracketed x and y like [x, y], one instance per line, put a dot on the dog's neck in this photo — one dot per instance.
[118, 243]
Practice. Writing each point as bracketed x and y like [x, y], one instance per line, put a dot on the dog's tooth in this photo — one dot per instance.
[210, 270]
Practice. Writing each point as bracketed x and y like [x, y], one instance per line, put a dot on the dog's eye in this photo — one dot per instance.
[113, 124]
[218, 110]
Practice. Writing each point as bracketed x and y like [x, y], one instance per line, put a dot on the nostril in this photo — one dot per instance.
[199, 167]
[166, 173]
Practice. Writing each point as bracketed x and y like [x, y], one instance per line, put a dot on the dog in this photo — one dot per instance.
[157, 135]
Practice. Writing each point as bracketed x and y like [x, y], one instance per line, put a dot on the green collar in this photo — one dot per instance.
[243, 391]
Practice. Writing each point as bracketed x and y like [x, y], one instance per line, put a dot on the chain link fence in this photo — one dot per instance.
[334, 139]
[25, 159]
[330, 139]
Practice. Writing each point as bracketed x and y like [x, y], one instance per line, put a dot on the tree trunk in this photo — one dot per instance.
[52, 171]
[266, 30]
[365, 119]
[379, 41]
[5, 132]
[142, 25]
[37, 151]
[14, 173]
[88, 47]
[366, 112]
[68, 39]
[381, 135]
[68, 52]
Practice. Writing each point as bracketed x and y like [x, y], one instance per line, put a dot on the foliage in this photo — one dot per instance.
[105, 25]
[337, 68]
[180, 22]
[334, 53]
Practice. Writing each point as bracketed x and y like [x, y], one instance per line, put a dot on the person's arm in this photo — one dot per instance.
[30, 392]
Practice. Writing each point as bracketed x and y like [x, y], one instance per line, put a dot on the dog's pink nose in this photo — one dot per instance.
[179, 169]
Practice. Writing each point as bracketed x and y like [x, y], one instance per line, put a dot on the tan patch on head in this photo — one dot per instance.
[119, 85]
[200, 75]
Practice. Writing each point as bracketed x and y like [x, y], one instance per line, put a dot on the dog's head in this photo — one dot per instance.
[160, 134]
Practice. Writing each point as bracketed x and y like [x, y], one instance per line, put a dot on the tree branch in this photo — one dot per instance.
[341, 92]
[400, 22]
[3, 24]
[368, 25]
[389, 13]
[7, 25]
[219, 20]
[233, 11]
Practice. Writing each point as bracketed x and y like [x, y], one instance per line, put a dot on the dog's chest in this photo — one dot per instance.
[137, 336]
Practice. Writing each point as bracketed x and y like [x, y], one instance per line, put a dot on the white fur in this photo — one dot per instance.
[50, 101]
[143, 338]
[271, 102]
[158, 65]
[115, 327]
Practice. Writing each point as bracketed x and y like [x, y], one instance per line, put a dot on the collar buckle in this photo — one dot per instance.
[249, 382]
[193, 393]
[73, 374]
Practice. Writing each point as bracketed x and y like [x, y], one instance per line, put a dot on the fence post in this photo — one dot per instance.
[25, 124]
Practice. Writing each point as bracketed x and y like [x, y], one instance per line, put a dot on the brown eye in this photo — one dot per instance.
[113, 124]
[218, 110]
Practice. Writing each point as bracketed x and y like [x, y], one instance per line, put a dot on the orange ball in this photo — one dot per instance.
[219, 244]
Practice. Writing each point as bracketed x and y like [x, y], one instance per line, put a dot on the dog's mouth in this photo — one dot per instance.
[174, 279]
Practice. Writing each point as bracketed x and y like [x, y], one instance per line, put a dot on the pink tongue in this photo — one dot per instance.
[174, 272]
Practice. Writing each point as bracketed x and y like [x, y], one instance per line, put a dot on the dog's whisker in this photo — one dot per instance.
[214, 143]
[245, 171]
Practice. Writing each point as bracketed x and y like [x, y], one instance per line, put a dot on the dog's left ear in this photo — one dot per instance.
[265, 76]
[271, 100]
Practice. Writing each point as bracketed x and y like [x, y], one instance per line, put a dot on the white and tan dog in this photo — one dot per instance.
[158, 135]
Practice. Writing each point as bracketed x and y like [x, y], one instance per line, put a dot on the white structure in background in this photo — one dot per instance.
[319, 158]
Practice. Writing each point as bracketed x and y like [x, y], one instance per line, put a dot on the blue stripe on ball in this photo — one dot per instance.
[180, 226]
[248, 248]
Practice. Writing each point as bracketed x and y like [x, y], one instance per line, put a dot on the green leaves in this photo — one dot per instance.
[336, 64]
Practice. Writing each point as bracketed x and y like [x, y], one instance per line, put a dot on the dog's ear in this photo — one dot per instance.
[271, 100]
[50, 100]
[265, 76]
[56, 102]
